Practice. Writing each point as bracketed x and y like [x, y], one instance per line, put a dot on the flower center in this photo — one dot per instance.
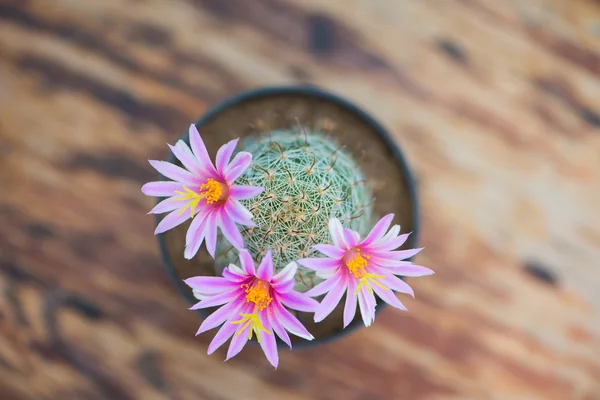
[255, 325]
[213, 191]
[357, 265]
[258, 293]
[355, 262]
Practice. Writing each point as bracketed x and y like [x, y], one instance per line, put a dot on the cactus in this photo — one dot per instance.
[308, 179]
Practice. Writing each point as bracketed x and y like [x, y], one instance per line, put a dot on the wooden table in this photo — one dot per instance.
[495, 103]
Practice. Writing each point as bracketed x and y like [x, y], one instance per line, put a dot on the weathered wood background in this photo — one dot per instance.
[496, 104]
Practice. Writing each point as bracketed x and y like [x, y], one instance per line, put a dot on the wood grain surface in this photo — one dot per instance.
[495, 103]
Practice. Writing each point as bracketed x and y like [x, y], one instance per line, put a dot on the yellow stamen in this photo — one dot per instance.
[255, 325]
[191, 197]
[211, 191]
[357, 264]
[258, 293]
[368, 278]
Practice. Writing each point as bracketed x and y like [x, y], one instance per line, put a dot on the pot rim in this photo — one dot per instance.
[315, 92]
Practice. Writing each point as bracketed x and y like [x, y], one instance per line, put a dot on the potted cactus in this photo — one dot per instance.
[290, 229]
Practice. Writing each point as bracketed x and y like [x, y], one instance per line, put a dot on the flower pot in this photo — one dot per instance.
[278, 107]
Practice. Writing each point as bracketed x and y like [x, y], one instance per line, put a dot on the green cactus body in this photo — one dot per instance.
[308, 180]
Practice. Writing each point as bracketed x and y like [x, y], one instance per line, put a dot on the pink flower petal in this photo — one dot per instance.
[209, 285]
[351, 299]
[230, 230]
[242, 192]
[389, 297]
[267, 340]
[210, 231]
[247, 262]
[319, 264]
[392, 233]
[195, 227]
[236, 270]
[390, 244]
[298, 301]
[238, 166]
[174, 172]
[397, 255]
[388, 263]
[238, 212]
[239, 279]
[269, 347]
[221, 337]
[324, 286]
[239, 340]
[326, 274]
[233, 277]
[286, 274]
[224, 155]
[180, 144]
[411, 270]
[265, 268]
[331, 300]
[378, 230]
[199, 295]
[330, 251]
[167, 205]
[187, 159]
[172, 220]
[363, 308]
[371, 303]
[397, 284]
[278, 328]
[367, 311]
[195, 235]
[351, 238]
[284, 286]
[218, 299]
[161, 189]
[224, 313]
[291, 323]
[336, 231]
[200, 152]
[262, 316]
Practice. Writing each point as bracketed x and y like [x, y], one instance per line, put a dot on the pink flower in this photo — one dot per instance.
[361, 268]
[252, 302]
[208, 193]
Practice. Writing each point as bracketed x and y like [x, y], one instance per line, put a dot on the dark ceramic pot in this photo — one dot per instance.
[380, 158]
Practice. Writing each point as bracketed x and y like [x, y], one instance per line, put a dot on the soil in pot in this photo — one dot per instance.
[252, 113]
